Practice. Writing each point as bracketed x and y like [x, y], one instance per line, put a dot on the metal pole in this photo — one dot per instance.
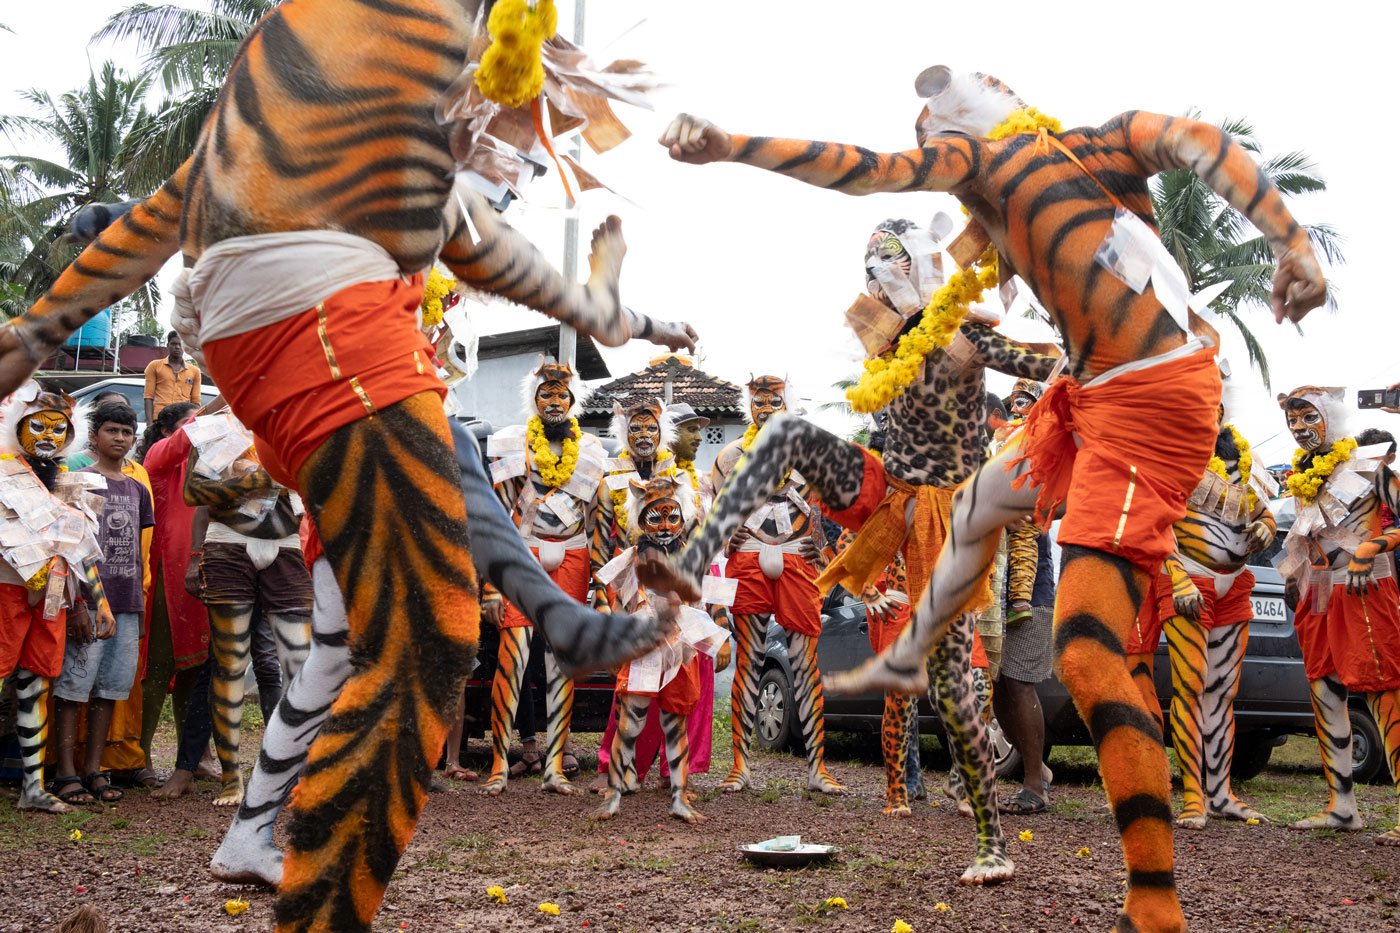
[568, 337]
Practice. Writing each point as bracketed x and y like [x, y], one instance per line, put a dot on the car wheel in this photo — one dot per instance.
[1004, 755]
[774, 726]
[1252, 754]
[1367, 750]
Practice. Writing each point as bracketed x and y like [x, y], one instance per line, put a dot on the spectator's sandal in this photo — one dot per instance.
[76, 795]
[569, 765]
[99, 784]
[527, 765]
[1024, 803]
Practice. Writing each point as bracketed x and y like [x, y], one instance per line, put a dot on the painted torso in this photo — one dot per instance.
[787, 516]
[1213, 531]
[537, 507]
[1332, 528]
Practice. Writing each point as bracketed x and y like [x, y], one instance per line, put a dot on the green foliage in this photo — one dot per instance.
[1213, 242]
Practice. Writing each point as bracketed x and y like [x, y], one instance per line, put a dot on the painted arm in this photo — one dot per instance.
[221, 494]
[1186, 597]
[602, 542]
[1262, 527]
[507, 492]
[1359, 579]
[942, 165]
[503, 262]
[1022, 360]
[124, 256]
[1163, 143]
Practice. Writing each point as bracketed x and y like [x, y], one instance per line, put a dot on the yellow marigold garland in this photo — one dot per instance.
[437, 288]
[887, 377]
[1304, 485]
[688, 468]
[554, 470]
[511, 73]
[1246, 464]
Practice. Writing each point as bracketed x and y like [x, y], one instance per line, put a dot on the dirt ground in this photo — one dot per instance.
[143, 863]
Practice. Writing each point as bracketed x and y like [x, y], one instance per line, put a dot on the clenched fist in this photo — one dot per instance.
[697, 141]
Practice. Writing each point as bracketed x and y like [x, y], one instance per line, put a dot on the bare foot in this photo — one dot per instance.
[1193, 820]
[608, 808]
[231, 794]
[208, 771]
[683, 811]
[455, 772]
[599, 785]
[991, 866]
[43, 802]
[823, 783]
[1328, 819]
[178, 784]
[1389, 838]
[558, 784]
[1237, 809]
[899, 811]
[657, 573]
[738, 780]
[495, 785]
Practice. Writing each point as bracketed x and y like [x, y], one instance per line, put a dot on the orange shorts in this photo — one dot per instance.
[1216, 612]
[571, 576]
[883, 632]
[679, 696]
[1357, 639]
[1146, 630]
[792, 598]
[296, 382]
[27, 639]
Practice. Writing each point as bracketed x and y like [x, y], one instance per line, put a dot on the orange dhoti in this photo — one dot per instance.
[792, 598]
[1147, 627]
[1124, 452]
[1355, 638]
[679, 696]
[878, 518]
[571, 575]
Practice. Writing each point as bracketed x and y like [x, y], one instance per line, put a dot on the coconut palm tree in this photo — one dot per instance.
[190, 52]
[89, 127]
[1213, 242]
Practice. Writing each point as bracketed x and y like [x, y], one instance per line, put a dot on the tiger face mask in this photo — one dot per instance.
[44, 434]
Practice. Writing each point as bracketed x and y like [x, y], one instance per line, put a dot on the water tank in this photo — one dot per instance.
[95, 333]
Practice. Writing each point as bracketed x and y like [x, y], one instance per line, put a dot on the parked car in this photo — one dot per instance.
[1273, 702]
[134, 388]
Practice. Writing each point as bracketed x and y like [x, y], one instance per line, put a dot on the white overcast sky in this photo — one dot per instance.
[764, 266]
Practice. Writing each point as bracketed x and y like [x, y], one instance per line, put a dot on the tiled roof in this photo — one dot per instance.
[708, 395]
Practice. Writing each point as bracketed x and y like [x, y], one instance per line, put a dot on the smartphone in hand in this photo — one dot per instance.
[1378, 398]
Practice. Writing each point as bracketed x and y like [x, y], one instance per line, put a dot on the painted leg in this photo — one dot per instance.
[247, 854]
[833, 466]
[385, 497]
[293, 634]
[1333, 724]
[631, 718]
[1096, 601]
[956, 696]
[749, 631]
[811, 708]
[1225, 650]
[1385, 708]
[1141, 667]
[1186, 643]
[984, 505]
[913, 766]
[231, 631]
[894, 743]
[678, 759]
[512, 656]
[32, 725]
[559, 699]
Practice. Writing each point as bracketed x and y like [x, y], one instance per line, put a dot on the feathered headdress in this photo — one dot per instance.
[549, 371]
[1329, 400]
[642, 495]
[776, 384]
[970, 103]
[31, 398]
[623, 415]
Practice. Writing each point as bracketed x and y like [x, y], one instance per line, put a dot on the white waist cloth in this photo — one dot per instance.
[770, 556]
[248, 282]
[1223, 579]
[551, 553]
[261, 551]
[1319, 581]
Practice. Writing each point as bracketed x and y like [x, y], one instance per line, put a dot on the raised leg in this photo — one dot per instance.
[894, 746]
[1186, 642]
[1385, 708]
[1095, 604]
[559, 701]
[954, 691]
[1333, 725]
[1225, 649]
[678, 760]
[984, 505]
[811, 711]
[631, 719]
[230, 626]
[384, 494]
[512, 656]
[32, 725]
[247, 854]
[749, 631]
[834, 468]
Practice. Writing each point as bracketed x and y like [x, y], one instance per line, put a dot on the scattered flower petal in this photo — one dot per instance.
[1253, 821]
[834, 903]
[1084, 853]
[901, 927]
[235, 907]
[496, 893]
[548, 907]
[942, 908]
[79, 889]
[1025, 835]
[75, 835]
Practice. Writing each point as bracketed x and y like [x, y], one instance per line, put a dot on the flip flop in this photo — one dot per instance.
[1024, 803]
[77, 795]
[569, 764]
[104, 792]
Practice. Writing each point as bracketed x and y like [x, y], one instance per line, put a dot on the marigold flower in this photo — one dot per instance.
[235, 907]
[834, 903]
[548, 907]
[901, 927]
[1253, 821]
[496, 893]
[75, 835]
[1025, 835]
[942, 908]
[1084, 852]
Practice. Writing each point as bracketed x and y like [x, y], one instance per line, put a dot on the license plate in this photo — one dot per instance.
[1270, 608]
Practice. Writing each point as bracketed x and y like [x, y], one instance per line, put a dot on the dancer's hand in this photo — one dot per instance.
[723, 656]
[1360, 571]
[16, 362]
[1258, 536]
[1290, 594]
[673, 335]
[877, 604]
[737, 540]
[1189, 604]
[493, 609]
[1298, 285]
[697, 141]
[79, 624]
[192, 582]
[1393, 409]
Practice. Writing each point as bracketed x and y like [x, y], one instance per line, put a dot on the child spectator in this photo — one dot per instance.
[99, 672]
